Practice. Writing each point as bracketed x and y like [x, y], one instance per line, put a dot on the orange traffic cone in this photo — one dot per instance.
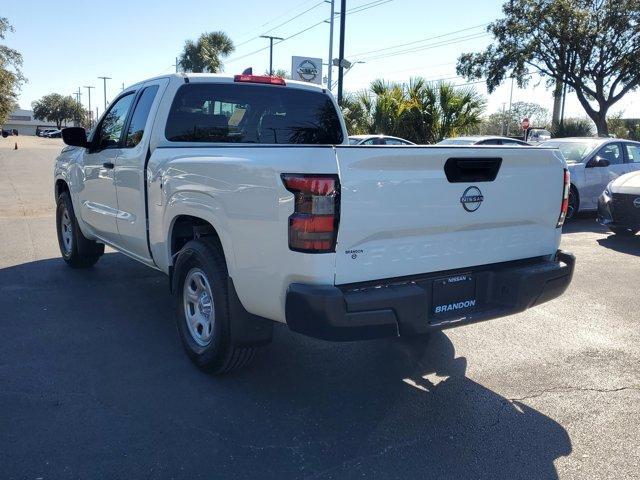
[16, 146]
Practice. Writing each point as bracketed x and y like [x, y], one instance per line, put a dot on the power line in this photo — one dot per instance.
[367, 6]
[297, 16]
[282, 24]
[274, 19]
[421, 40]
[426, 47]
[357, 9]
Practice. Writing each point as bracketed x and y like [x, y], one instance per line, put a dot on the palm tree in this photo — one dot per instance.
[206, 53]
[419, 111]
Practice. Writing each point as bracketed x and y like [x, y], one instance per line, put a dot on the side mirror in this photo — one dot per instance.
[598, 162]
[75, 137]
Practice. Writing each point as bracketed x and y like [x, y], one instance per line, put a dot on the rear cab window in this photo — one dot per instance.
[256, 114]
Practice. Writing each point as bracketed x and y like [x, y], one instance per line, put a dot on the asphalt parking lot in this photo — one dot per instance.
[94, 382]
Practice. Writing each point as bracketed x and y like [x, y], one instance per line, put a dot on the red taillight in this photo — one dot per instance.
[268, 79]
[564, 206]
[313, 226]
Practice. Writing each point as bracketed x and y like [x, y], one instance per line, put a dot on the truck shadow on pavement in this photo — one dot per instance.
[584, 222]
[95, 384]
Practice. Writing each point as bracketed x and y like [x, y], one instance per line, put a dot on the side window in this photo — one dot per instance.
[491, 141]
[139, 117]
[633, 152]
[611, 152]
[110, 129]
[393, 141]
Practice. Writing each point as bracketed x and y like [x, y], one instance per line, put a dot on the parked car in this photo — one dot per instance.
[53, 134]
[266, 214]
[619, 205]
[593, 163]
[377, 140]
[538, 135]
[41, 132]
[483, 140]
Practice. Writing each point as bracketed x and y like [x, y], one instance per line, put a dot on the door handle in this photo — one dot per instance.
[108, 165]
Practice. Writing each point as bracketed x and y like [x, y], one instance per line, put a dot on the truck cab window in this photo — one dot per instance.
[139, 117]
[110, 129]
[231, 113]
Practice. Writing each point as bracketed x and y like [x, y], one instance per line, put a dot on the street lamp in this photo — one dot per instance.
[104, 83]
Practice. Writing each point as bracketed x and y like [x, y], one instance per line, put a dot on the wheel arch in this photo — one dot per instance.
[60, 186]
[574, 189]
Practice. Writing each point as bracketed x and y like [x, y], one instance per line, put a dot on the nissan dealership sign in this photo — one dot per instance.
[306, 69]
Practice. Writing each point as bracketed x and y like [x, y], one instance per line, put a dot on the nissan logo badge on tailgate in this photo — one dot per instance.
[636, 202]
[471, 199]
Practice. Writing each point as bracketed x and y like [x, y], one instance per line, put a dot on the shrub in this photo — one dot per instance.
[573, 127]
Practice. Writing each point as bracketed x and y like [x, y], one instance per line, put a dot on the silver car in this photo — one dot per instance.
[593, 163]
[377, 140]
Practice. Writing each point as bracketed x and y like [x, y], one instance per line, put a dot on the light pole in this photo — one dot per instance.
[90, 112]
[271, 39]
[330, 62]
[104, 84]
[510, 104]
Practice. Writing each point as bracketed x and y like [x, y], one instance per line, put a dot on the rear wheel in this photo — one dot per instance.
[624, 232]
[203, 319]
[76, 249]
[574, 203]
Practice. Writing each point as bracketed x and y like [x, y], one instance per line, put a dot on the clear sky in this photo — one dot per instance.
[68, 44]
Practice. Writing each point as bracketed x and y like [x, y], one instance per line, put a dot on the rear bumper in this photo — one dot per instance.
[403, 307]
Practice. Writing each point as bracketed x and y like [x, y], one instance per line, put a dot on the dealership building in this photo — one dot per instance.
[24, 123]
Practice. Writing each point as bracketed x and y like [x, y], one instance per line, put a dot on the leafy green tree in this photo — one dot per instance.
[499, 123]
[419, 111]
[591, 45]
[11, 77]
[59, 109]
[278, 72]
[206, 53]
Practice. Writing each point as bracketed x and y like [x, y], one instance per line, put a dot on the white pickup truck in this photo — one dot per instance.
[244, 191]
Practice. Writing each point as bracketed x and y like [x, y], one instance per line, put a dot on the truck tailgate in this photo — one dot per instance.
[403, 214]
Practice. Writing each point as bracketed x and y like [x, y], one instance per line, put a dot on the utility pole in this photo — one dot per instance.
[104, 83]
[78, 95]
[176, 64]
[271, 39]
[330, 62]
[122, 85]
[90, 115]
[343, 12]
[510, 104]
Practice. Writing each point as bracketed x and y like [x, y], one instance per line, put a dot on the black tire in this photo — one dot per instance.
[574, 204]
[219, 356]
[76, 249]
[623, 232]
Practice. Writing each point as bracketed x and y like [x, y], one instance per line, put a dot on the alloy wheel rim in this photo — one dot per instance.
[199, 311]
[66, 232]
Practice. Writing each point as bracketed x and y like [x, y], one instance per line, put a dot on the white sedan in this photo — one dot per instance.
[593, 163]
